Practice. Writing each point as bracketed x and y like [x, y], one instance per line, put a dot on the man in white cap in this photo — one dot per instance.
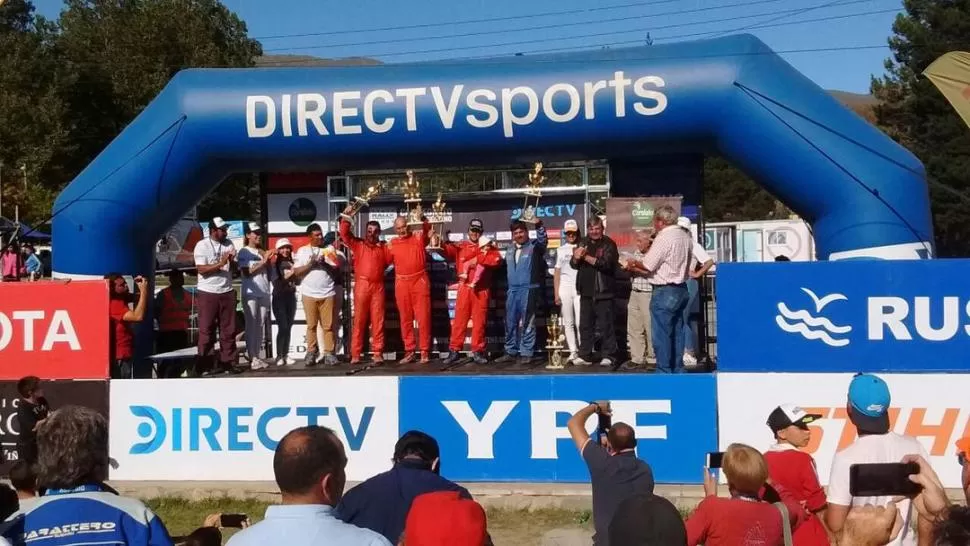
[254, 266]
[564, 284]
[216, 297]
[700, 263]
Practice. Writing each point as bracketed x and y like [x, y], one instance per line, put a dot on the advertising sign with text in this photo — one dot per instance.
[228, 429]
[514, 428]
[54, 330]
[930, 407]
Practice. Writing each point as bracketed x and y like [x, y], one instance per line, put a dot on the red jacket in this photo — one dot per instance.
[369, 259]
[467, 257]
[408, 254]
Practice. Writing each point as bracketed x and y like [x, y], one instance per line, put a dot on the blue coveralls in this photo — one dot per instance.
[525, 279]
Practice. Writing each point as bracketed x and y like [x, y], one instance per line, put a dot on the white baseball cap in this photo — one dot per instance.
[483, 242]
[253, 226]
[570, 226]
[219, 223]
[283, 242]
[683, 222]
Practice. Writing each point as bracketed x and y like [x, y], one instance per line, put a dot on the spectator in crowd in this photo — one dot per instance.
[72, 465]
[284, 299]
[700, 264]
[615, 471]
[382, 503]
[121, 316]
[412, 287]
[963, 457]
[595, 261]
[32, 409]
[794, 470]
[564, 286]
[216, 298]
[445, 518]
[209, 534]
[317, 266]
[11, 264]
[638, 321]
[868, 409]
[173, 312]
[744, 518]
[333, 244]
[370, 260]
[525, 268]
[647, 520]
[254, 266]
[24, 481]
[668, 263]
[309, 465]
[32, 265]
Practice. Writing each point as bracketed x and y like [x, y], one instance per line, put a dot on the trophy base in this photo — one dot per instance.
[555, 358]
[530, 221]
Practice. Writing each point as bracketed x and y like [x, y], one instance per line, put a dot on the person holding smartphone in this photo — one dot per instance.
[121, 316]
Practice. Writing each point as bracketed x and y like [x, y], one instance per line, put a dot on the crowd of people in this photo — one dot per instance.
[20, 263]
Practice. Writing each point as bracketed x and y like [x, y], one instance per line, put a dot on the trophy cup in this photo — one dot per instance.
[412, 201]
[437, 220]
[361, 201]
[533, 192]
[554, 344]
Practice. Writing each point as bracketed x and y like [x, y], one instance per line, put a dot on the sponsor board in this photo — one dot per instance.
[54, 330]
[228, 429]
[514, 428]
[293, 212]
[627, 215]
[865, 315]
[930, 407]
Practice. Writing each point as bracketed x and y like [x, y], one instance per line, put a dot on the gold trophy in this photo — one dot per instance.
[554, 344]
[437, 220]
[361, 201]
[412, 201]
[533, 192]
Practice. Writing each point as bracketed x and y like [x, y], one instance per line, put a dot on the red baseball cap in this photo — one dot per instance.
[443, 518]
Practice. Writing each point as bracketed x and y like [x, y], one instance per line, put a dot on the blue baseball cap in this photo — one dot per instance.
[869, 401]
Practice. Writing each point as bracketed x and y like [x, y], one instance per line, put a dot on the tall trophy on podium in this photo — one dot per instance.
[437, 221]
[412, 201]
[532, 194]
[361, 201]
[554, 343]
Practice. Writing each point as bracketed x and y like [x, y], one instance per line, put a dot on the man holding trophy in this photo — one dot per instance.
[369, 260]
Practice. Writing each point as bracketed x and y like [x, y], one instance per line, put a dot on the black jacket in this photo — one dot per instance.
[597, 281]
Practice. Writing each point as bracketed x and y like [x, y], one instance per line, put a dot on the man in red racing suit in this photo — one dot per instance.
[474, 259]
[412, 288]
[369, 260]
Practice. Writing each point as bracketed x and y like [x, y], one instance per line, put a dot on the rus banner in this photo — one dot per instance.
[54, 330]
[626, 215]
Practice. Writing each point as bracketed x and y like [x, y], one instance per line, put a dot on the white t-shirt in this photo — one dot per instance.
[209, 252]
[567, 275]
[257, 285]
[882, 448]
[317, 283]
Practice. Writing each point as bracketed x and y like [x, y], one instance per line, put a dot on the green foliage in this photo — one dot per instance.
[730, 196]
[917, 115]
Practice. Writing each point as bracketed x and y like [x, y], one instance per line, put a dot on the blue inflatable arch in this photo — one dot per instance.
[864, 195]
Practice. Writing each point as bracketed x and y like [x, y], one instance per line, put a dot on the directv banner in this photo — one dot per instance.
[513, 428]
[844, 316]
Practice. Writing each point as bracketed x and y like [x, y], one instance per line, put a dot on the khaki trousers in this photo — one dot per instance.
[322, 312]
[638, 327]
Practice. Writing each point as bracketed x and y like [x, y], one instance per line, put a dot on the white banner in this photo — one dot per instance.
[293, 212]
[227, 429]
[930, 407]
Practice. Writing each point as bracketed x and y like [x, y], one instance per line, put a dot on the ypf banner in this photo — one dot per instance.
[627, 215]
[54, 330]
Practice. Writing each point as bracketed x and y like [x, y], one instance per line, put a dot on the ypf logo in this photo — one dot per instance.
[813, 327]
[152, 429]
[303, 212]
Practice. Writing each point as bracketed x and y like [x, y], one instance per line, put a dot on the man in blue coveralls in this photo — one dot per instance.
[525, 263]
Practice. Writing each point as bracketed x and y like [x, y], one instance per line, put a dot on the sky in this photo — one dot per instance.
[839, 44]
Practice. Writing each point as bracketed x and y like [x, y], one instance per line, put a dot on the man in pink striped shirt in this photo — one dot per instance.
[668, 264]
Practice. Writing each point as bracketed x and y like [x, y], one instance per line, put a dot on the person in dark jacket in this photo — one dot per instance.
[381, 503]
[525, 263]
[596, 260]
[32, 408]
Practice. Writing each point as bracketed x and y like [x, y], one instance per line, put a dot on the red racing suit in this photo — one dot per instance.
[474, 266]
[369, 261]
[412, 288]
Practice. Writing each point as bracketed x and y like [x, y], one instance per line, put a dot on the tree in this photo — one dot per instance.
[730, 196]
[915, 114]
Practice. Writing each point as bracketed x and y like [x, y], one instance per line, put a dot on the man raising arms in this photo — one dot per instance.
[526, 269]
[412, 288]
[370, 259]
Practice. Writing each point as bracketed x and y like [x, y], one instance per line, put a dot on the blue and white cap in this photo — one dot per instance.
[869, 401]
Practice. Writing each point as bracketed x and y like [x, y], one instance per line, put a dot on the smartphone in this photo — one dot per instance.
[605, 423]
[232, 520]
[714, 459]
[883, 480]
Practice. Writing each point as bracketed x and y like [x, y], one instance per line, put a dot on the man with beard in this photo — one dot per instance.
[369, 257]
[473, 290]
[317, 266]
[412, 288]
[215, 297]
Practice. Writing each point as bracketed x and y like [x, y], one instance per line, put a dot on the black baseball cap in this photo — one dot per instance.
[787, 415]
[647, 520]
[476, 225]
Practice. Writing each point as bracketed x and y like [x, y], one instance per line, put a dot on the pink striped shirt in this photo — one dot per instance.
[10, 264]
[669, 256]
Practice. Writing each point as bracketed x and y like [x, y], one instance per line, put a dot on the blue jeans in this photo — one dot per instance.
[521, 307]
[667, 325]
[690, 326]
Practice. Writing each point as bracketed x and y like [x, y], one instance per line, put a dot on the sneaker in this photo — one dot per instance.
[580, 361]
[409, 358]
[479, 358]
[690, 361]
[425, 357]
[330, 360]
[450, 358]
[505, 359]
[289, 361]
[258, 364]
[524, 360]
[606, 362]
[310, 359]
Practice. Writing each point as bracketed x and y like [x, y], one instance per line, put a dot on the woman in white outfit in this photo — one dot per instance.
[254, 266]
[564, 280]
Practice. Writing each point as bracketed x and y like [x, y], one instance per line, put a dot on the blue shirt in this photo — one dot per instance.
[86, 515]
[382, 502]
[305, 525]
[32, 264]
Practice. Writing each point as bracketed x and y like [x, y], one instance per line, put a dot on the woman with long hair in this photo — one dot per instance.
[284, 299]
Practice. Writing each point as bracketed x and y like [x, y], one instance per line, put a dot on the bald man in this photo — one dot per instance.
[615, 471]
[412, 288]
